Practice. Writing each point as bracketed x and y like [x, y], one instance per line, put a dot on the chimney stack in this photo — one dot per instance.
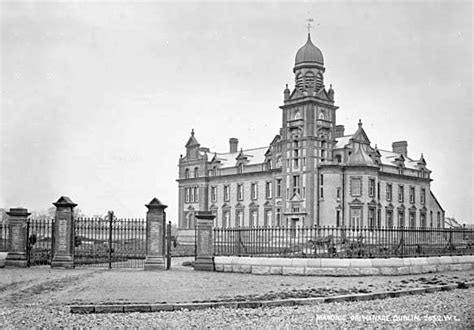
[400, 147]
[233, 145]
[339, 131]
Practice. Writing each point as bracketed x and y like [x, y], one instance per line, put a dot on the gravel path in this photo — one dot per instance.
[451, 309]
[85, 286]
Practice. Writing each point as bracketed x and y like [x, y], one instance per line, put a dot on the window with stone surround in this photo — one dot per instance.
[371, 218]
[355, 216]
[268, 189]
[423, 220]
[268, 218]
[187, 195]
[401, 193]
[423, 196]
[214, 194]
[240, 192]
[196, 172]
[401, 218]
[278, 217]
[278, 187]
[296, 184]
[389, 192]
[356, 186]
[225, 219]
[254, 191]
[412, 195]
[253, 218]
[226, 193]
[239, 218]
[371, 187]
[412, 219]
[389, 218]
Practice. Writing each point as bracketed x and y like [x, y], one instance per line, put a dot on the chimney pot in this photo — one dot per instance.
[339, 132]
[233, 145]
[400, 147]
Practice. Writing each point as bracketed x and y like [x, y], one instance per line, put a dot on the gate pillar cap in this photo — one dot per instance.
[18, 211]
[64, 201]
[207, 215]
[155, 203]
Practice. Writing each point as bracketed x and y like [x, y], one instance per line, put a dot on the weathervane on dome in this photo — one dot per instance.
[309, 26]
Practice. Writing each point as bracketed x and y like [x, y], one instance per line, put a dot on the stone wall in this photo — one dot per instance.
[343, 267]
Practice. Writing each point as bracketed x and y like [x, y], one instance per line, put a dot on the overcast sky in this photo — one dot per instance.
[99, 98]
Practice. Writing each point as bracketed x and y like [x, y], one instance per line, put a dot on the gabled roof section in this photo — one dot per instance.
[434, 198]
[241, 155]
[254, 156]
[192, 142]
[421, 161]
[360, 135]
[342, 141]
[322, 94]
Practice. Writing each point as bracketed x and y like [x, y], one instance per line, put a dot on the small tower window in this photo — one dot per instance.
[196, 172]
[299, 81]
[309, 80]
[319, 81]
[297, 115]
[186, 173]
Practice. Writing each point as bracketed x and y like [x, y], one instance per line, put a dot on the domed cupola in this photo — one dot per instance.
[309, 68]
[308, 56]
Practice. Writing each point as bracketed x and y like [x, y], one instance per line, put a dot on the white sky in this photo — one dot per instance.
[98, 98]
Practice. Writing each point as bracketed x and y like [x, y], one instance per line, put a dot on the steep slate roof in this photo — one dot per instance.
[343, 141]
[254, 156]
[388, 158]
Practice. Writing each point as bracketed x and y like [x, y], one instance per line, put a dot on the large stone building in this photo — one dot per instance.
[311, 173]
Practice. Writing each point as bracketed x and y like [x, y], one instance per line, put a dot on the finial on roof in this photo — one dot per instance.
[376, 146]
[360, 123]
[286, 86]
[309, 26]
[192, 131]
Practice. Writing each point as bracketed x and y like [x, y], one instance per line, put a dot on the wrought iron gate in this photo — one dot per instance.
[39, 246]
[110, 242]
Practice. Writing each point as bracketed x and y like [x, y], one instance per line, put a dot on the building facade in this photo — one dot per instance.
[311, 173]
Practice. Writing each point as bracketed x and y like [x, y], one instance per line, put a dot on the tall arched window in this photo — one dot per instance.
[186, 173]
[196, 172]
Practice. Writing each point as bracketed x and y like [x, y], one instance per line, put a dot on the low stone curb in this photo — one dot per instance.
[145, 308]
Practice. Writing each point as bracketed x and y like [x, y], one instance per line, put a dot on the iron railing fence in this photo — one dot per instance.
[39, 247]
[342, 242]
[3, 237]
[110, 242]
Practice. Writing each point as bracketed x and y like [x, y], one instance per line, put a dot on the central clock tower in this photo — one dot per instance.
[307, 137]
